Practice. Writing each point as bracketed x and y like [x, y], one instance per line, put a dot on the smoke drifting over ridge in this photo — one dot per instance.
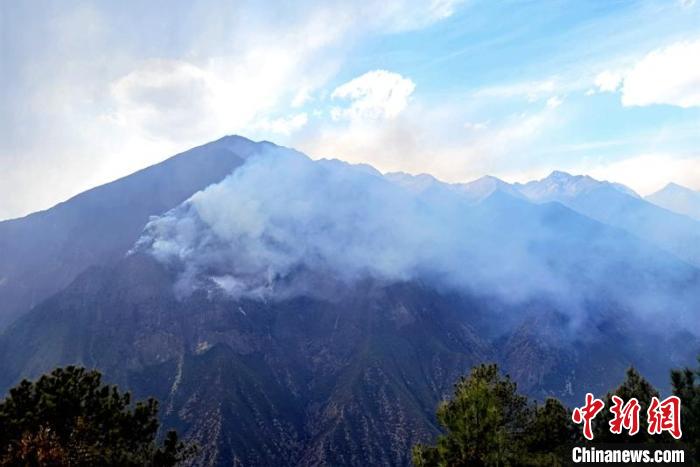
[283, 225]
[282, 212]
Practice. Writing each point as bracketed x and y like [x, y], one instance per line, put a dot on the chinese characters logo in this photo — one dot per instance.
[662, 416]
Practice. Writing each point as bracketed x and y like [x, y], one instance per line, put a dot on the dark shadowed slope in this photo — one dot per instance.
[43, 252]
[314, 313]
[301, 381]
[355, 379]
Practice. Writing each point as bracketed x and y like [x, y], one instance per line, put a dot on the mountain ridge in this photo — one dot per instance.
[329, 308]
[45, 250]
[679, 199]
[68, 240]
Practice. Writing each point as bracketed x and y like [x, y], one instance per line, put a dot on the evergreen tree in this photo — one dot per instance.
[634, 385]
[686, 385]
[69, 417]
[487, 423]
[550, 434]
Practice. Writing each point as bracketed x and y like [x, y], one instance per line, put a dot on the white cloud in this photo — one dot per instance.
[554, 102]
[189, 100]
[476, 126]
[531, 90]
[669, 75]
[107, 94]
[301, 97]
[436, 140]
[164, 98]
[376, 94]
[647, 173]
[283, 125]
[405, 15]
[189, 103]
[608, 81]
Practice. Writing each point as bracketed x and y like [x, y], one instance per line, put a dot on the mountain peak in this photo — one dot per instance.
[558, 184]
[679, 199]
[417, 183]
[490, 179]
[563, 184]
[232, 139]
[483, 187]
[675, 187]
[560, 174]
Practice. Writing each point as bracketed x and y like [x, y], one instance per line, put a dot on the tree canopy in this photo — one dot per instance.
[686, 385]
[69, 417]
[633, 386]
[488, 423]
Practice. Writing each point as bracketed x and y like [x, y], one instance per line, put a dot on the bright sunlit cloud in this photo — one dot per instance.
[455, 88]
[670, 75]
[375, 94]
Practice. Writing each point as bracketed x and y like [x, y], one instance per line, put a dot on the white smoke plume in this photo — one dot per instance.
[283, 224]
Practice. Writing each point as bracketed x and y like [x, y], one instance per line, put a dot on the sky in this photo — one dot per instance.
[93, 91]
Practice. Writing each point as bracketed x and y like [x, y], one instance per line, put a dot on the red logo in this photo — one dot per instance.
[587, 413]
[661, 416]
[665, 416]
[625, 416]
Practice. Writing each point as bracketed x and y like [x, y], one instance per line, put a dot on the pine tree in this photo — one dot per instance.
[484, 423]
[634, 385]
[69, 417]
[487, 423]
[686, 385]
[550, 434]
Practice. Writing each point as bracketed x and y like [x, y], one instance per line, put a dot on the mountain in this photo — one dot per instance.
[301, 381]
[308, 381]
[417, 183]
[561, 185]
[610, 203]
[618, 206]
[484, 187]
[474, 191]
[303, 312]
[43, 252]
[678, 199]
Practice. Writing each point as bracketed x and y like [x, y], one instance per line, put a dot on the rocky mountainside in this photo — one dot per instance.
[352, 381]
[43, 252]
[303, 381]
[304, 312]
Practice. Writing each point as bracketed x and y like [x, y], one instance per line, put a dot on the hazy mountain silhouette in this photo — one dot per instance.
[678, 199]
[617, 205]
[43, 252]
[300, 312]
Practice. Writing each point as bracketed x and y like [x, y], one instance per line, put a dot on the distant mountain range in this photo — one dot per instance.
[668, 218]
[295, 312]
[678, 199]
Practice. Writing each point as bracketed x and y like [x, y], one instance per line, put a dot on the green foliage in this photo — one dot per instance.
[686, 385]
[550, 434]
[634, 385]
[69, 417]
[488, 423]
